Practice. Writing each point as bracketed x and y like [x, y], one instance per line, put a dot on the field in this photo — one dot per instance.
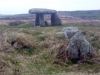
[37, 49]
[64, 22]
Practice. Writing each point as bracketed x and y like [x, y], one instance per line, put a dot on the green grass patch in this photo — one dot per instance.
[23, 26]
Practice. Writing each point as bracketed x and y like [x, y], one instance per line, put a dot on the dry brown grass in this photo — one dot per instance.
[6, 22]
[4, 46]
[80, 21]
[77, 73]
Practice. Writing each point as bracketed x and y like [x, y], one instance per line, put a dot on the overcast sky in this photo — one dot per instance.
[22, 6]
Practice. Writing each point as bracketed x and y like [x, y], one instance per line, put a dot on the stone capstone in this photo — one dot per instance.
[41, 11]
[79, 47]
[69, 32]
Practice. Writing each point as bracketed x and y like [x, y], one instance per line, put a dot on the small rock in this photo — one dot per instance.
[70, 31]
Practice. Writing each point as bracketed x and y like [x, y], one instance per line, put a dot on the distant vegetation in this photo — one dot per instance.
[89, 14]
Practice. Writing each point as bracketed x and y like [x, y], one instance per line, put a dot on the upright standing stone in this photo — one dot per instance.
[39, 20]
[55, 20]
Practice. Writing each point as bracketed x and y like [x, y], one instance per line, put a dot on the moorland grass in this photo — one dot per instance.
[44, 44]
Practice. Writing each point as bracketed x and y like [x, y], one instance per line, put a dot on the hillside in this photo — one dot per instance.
[88, 14]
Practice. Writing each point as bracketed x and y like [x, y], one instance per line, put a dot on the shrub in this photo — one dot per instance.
[95, 38]
[60, 36]
[41, 38]
[35, 33]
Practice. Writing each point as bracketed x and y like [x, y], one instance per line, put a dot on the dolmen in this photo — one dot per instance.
[55, 20]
